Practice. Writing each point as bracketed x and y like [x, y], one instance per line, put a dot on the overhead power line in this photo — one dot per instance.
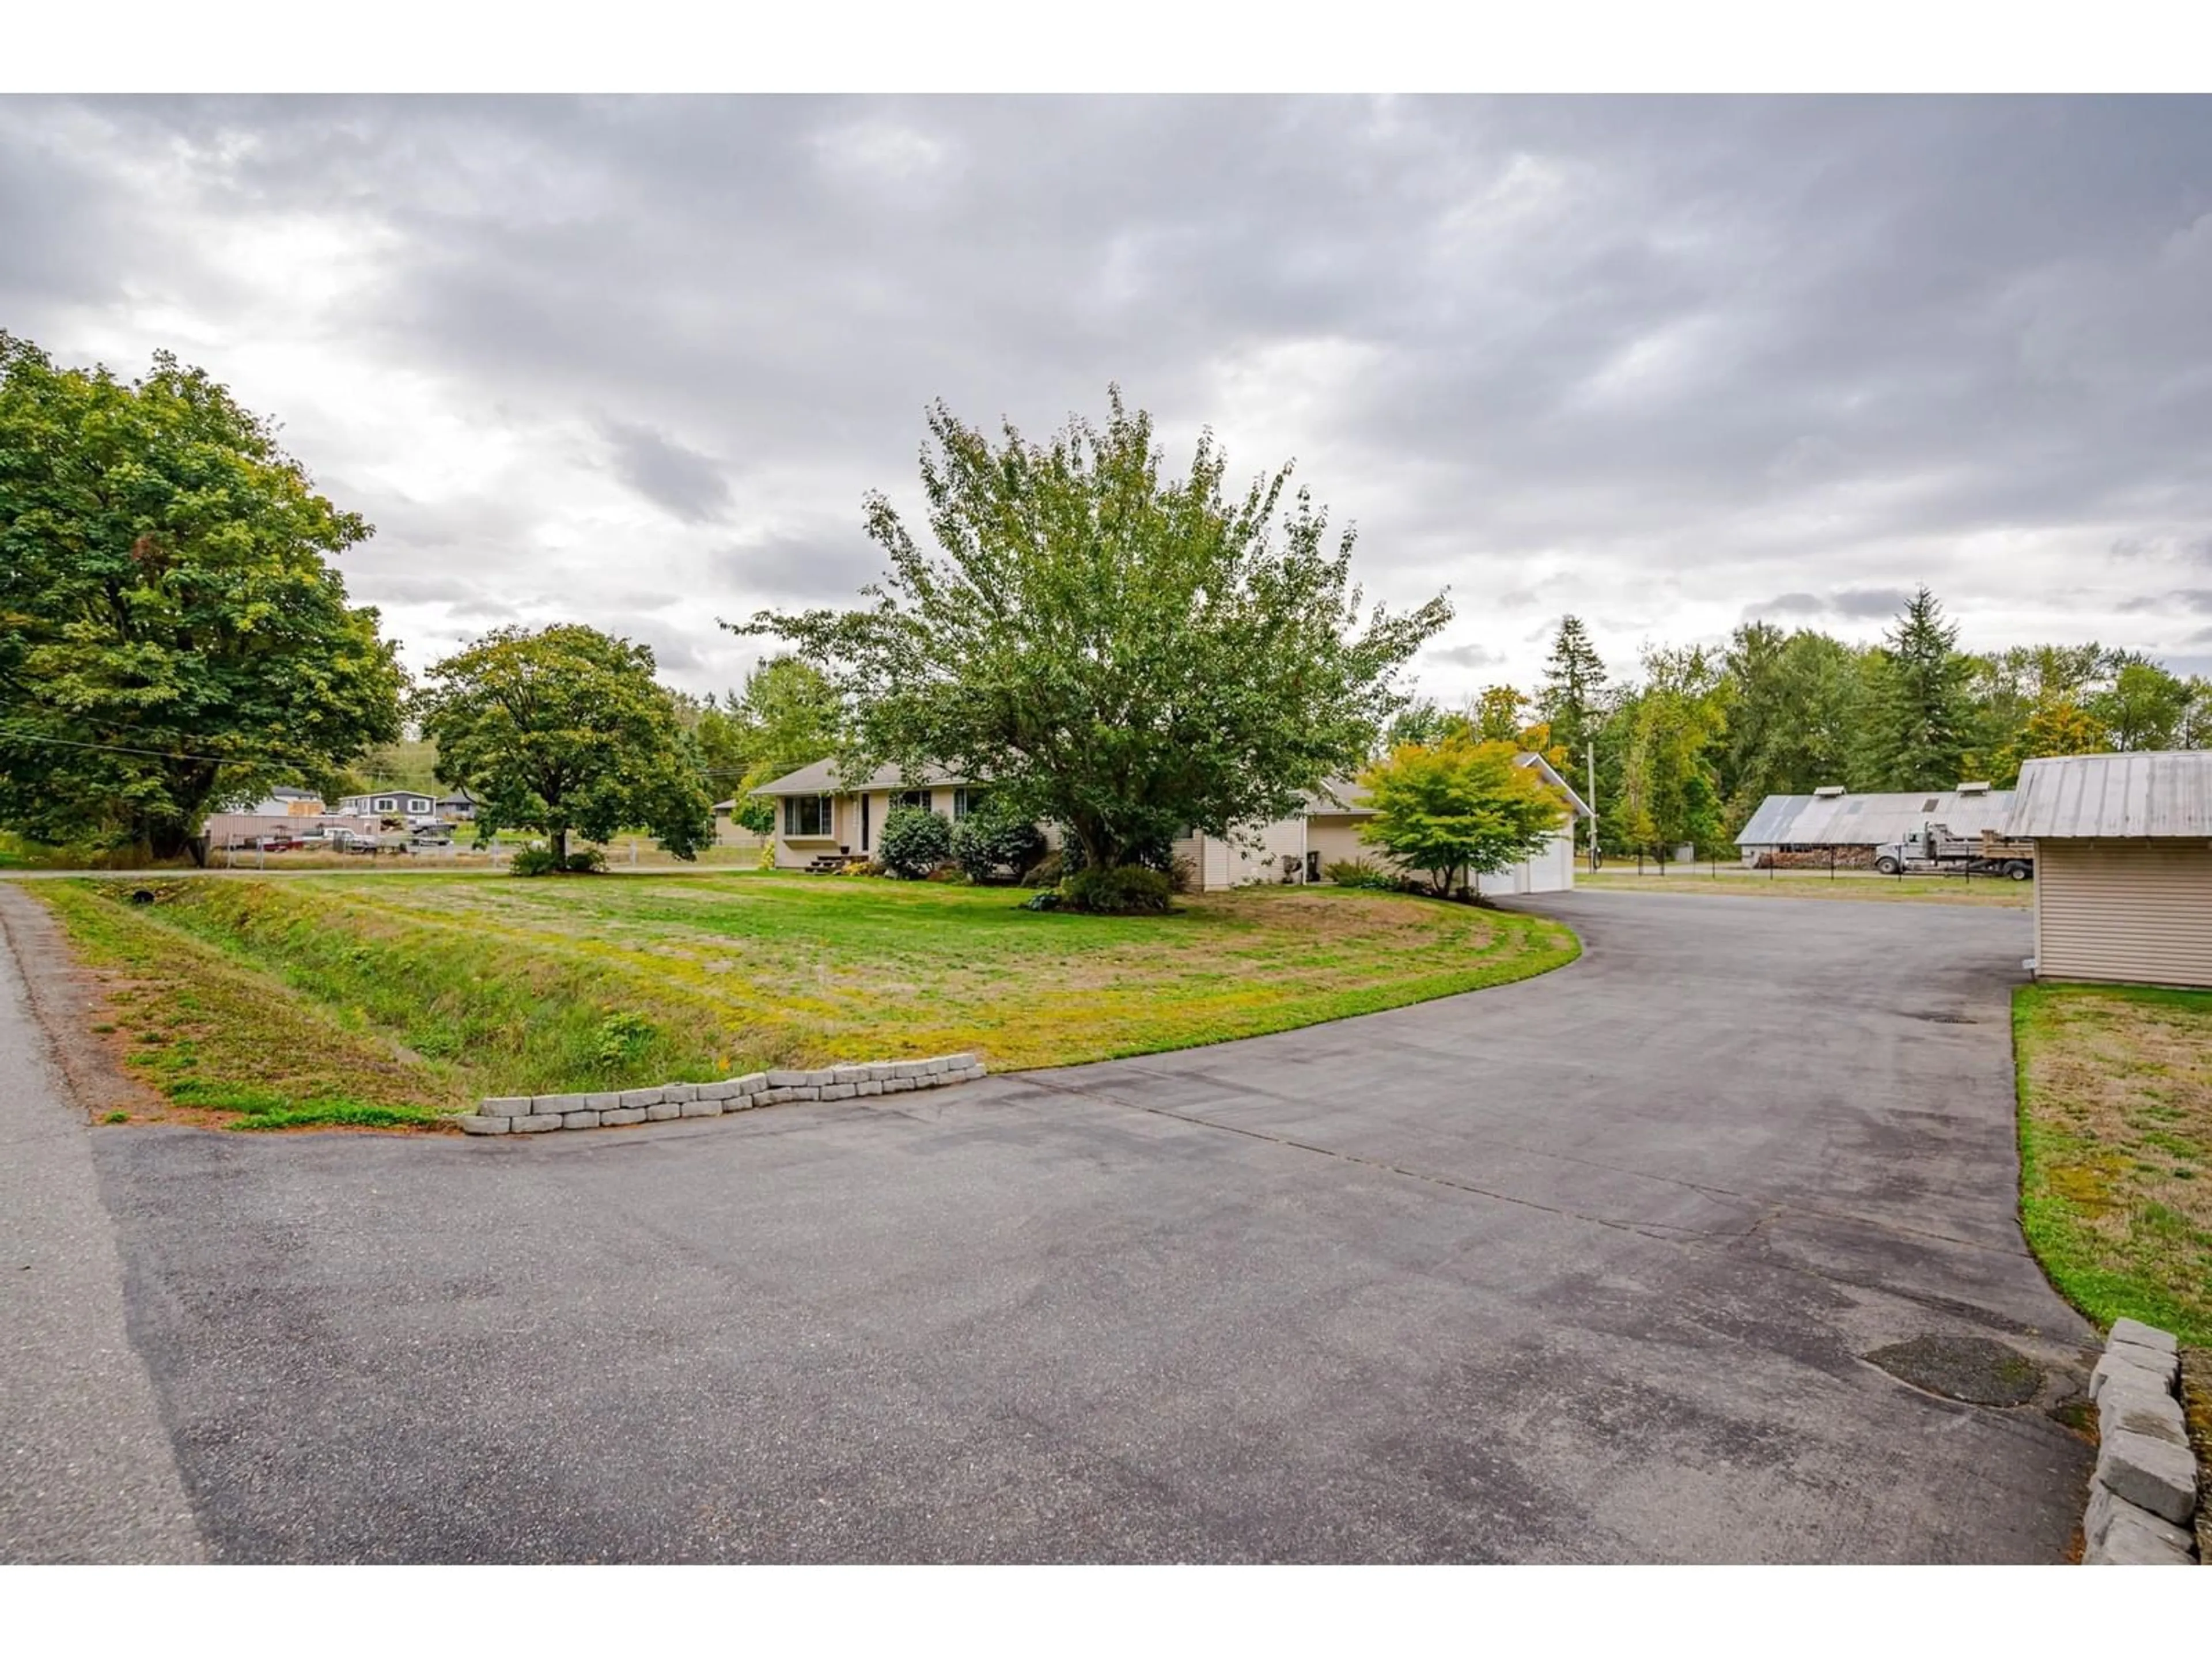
[10, 734]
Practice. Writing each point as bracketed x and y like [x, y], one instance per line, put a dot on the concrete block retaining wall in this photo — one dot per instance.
[2143, 1496]
[536, 1114]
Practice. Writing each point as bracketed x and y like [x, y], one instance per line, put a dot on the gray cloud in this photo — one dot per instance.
[691, 486]
[1858, 603]
[824, 568]
[1649, 359]
[2195, 600]
[1467, 656]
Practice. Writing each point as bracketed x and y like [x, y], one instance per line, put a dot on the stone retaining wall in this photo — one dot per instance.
[2143, 1495]
[535, 1114]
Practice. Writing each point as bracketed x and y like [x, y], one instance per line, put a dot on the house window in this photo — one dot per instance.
[965, 801]
[386, 804]
[912, 798]
[807, 815]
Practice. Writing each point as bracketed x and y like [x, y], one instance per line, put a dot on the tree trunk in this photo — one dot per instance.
[168, 839]
[560, 845]
[1096, 845]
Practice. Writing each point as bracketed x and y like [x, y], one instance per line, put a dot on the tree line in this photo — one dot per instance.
[1128, 655]
[1687, 749]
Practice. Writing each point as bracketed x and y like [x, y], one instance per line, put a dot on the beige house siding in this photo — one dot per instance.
[797, 852]
[2133, 911]
[1220, 863]
[1335, 836]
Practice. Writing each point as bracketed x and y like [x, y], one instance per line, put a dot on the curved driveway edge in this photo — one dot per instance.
[1579, 1268]
[87, 1474]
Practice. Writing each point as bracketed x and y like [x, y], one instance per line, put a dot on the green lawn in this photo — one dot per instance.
[428, 991]
[2116, 1149]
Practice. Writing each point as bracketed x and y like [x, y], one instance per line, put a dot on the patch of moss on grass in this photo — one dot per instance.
[2112, 1199]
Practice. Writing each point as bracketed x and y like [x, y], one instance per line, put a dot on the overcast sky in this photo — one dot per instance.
[1670, 364]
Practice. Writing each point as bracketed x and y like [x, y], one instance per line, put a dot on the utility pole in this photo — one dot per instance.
[1590, 751]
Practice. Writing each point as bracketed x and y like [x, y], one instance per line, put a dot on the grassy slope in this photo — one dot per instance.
[2116, 1149]
[499, 986]
[213, 1034]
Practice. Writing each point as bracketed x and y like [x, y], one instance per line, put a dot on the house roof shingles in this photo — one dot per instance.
[821, 779]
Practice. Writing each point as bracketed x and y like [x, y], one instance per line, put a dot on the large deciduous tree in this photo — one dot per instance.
[1670, 731]
[786, 717]
[2145, 707]
[2057, 726]
[1794, 716]
[173, 639]
[566, 730]
[1125, 655]
[1458, 809]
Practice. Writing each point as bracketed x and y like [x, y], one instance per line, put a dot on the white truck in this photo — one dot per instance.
[1936, 851]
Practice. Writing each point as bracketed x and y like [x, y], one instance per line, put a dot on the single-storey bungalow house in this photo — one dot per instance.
[1806, 830]
[458, 807]
[821, 820]
[390, 803]
[2123, 865]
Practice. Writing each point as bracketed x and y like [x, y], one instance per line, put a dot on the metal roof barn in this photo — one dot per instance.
[2158, 794]
[1841, 820]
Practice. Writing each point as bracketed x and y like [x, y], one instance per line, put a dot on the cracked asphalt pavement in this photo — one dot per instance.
[1578, 1269]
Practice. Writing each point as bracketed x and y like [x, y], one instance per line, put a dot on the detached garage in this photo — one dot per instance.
[2123, 865]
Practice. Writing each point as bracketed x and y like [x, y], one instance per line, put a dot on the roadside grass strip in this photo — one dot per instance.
[2115, 1090]
[447, 988]
[1992, 891]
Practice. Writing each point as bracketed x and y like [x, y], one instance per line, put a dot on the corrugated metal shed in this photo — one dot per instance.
[1872, 820]
[2164, 793]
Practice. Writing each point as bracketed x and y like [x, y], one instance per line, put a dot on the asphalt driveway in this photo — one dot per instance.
[1578, 1269]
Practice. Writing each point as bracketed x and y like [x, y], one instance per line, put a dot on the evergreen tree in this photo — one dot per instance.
[1572, 703]
[1922, 722]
